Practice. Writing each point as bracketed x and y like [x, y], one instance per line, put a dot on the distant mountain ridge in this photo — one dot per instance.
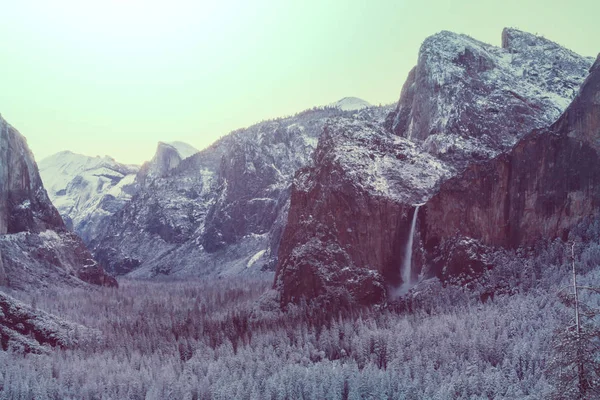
[220, 211]
[86, 189]
[351, 104]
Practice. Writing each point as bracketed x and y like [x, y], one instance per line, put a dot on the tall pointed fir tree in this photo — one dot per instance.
[575, 364]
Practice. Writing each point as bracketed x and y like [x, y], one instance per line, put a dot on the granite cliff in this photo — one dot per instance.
[467, 148]
[36, 248]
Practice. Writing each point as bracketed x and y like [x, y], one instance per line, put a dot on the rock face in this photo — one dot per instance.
[464, 104]
[466, 100]
[543, 187]
[350, 213]
[220, 211]
[167, 157]
[87, 190]
[24, 205]
[35, 246]
[25, 330]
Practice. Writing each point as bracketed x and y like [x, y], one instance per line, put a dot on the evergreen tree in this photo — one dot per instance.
[576, 362]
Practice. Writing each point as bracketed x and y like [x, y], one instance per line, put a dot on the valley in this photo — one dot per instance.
[427, 249]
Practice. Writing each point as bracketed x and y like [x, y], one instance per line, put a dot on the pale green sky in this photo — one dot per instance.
[117, 76]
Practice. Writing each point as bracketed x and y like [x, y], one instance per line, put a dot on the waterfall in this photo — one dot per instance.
[407, 264]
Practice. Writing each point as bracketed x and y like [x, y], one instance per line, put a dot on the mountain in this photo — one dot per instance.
[166, 158]
[220, 211]
[36, 249]
[351, 104]
[86, 190]
[542, 188]
[467, 100]
[434, 168]
[346, 224]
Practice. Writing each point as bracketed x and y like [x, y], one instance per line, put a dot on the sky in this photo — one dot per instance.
[114, 77]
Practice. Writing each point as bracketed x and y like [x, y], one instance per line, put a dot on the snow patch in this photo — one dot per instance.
[255, 258]
[351, 104]
[49, 235]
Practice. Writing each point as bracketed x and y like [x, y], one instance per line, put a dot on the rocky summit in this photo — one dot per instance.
[467, 100]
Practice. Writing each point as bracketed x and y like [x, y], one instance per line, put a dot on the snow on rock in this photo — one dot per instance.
[36, 248]
[211, 212]
[255, 258]
[467, 100]
[185, 150]
[86, 190]
[383, 164]
[351, 104]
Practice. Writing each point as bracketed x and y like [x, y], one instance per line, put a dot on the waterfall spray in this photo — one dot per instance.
[407, 264]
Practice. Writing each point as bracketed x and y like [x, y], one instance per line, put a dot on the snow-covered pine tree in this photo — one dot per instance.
[576, 360]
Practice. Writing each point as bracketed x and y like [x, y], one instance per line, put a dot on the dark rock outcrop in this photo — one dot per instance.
[350, 213]
[35, 246]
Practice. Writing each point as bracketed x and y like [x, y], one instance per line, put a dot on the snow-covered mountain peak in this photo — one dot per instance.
[167, 157]
[351, 104]
[185, 150]
[85, 189]
[516, 40]
[379, 162]
[467, 100]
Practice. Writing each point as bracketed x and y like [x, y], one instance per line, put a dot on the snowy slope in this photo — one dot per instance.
[185, 150]
[85, 190]
[25, 329]
[469, 100]
[220, 211]
[351, 104]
